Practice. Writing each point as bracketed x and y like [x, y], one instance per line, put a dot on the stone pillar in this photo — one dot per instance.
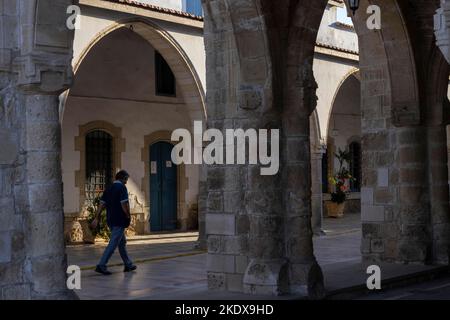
[317, 195]
[267, 272]
[439, 193]
[413, 206]
[202, 208]
[223, 194]
[35, 65]
[305, 275]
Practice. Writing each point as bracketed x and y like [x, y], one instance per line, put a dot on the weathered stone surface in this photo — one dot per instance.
[216, 281]
[43, 167]
[220, 224]
[16, 292]
[6, 214]
[45, 198]
[48, 275]
[9, 147]
[215, 202]
[221, 263]
[5, 246]
[266, 278]
[372, 213]
[45, 234]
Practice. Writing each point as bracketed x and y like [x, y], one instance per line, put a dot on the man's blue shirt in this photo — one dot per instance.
[112, 198]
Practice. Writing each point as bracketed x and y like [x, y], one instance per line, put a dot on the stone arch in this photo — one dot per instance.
[185, 74]
[387, 54]
[354, 72]
[183, 181]
[339, 109]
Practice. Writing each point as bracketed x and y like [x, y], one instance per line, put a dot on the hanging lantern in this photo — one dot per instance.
[354, 5]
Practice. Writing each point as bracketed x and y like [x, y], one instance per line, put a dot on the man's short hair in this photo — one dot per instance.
[121, 175]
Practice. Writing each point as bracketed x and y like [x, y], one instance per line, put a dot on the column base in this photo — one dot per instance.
[264, 277]
[307, 279]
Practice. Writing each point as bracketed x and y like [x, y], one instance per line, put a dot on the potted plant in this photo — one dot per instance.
[340, 179]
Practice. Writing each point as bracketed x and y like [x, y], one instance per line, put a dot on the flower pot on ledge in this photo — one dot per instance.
[335, 210]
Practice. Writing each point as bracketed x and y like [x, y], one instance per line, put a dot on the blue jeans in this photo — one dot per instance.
[117, 239]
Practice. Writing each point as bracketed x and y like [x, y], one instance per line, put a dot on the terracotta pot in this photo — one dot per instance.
[335, 210]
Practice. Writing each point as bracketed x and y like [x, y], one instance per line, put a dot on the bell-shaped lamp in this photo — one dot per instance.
[354, 5]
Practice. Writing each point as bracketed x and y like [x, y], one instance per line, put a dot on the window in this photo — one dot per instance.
[194, 7]
[165, 80]
[99, 164]
[355, 166]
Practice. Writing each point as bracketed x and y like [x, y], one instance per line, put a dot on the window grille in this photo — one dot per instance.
[99, 164]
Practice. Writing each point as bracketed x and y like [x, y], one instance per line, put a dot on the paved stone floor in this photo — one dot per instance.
[170, 268]
[342, 240]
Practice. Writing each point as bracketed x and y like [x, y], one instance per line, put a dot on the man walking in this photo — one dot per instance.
[115, 200]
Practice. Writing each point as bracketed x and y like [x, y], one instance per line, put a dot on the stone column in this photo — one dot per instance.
[317, 195]
[305, 275]
[35, 64]
[413, 205]
[202, 202]
[223, 194]
[42, 186]
[439, 193]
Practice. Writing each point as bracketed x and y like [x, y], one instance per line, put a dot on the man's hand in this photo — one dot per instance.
[126, 209]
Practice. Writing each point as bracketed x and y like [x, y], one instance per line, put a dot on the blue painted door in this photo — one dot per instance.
[163, 188]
